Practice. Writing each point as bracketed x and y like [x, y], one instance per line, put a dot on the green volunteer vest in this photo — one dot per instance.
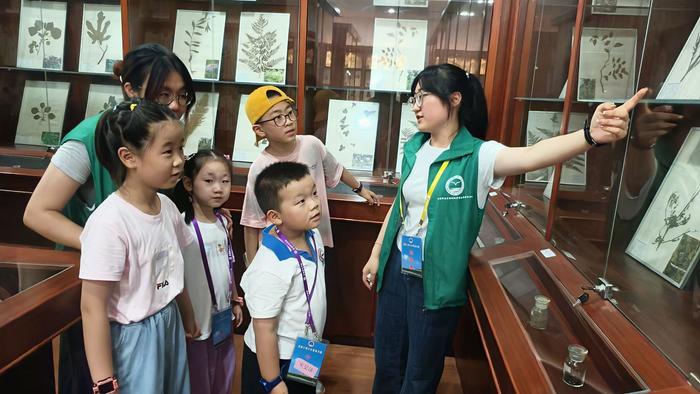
[454, 219]
[76, 210]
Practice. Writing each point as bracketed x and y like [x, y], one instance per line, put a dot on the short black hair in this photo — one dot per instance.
[273, 179]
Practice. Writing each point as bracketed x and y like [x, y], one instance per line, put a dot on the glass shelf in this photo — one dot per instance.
[18, 277]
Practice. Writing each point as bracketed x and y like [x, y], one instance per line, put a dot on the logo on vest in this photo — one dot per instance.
[455, 185]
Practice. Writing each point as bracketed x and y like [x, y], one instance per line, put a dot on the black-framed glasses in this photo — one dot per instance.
[281, 119]
[165, 98]
[417, 99]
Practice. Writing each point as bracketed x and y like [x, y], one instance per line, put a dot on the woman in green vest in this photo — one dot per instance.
[75, 183]
[419, 261]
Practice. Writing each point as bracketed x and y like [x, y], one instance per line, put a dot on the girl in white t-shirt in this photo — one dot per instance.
[210, 300]
[131, 262]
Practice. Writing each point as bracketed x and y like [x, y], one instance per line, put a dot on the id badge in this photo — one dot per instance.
[412, 256]
[307, 359]
[221, 326]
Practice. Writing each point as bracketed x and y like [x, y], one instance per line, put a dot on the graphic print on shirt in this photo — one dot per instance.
[161, 268]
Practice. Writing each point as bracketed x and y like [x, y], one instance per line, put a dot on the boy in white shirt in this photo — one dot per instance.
[290, 260]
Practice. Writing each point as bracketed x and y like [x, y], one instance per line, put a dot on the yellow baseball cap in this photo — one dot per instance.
[259, 102]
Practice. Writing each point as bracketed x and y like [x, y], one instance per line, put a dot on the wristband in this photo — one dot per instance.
[587, 135]
[357, 189]
[105, 386]
[269, 386]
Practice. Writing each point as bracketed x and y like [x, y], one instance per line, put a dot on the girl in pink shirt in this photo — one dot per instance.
[131, 262]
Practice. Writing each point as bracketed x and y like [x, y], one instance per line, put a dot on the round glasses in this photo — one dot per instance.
[165, 98]
[417, 99]
[281, 119]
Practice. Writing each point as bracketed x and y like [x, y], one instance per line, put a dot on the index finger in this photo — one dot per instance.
[631, 103]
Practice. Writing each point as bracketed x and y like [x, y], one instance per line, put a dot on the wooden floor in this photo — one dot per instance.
[350, 369]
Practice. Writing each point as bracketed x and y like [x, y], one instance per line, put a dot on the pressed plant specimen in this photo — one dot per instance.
[43, 32]
[194, 34]
[42, 112]
[675, 218]
[261, 48]
[98, 34]
[110, 103]
[694, 57]
[197, 115]
[392, 56]
[345, 127]
[614, 66]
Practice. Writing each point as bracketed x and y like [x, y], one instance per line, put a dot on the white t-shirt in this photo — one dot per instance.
[140, 252]
[415, 188]
[274, 287]
[216, 248]
[324, 168]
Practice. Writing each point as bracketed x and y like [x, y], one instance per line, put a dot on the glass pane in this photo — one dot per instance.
[655, 243]
[495, 230]
[365, 56]
[18, 277]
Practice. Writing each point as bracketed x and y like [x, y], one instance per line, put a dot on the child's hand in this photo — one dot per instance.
[238, 314]
[369, 195]
[191, 329]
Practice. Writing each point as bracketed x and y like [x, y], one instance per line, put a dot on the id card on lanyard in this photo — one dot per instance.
[412, 245]
[309, 351]
[221, 319]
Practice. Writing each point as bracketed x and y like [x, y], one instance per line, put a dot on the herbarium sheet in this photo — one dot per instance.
[398, 53]
[200, 125]
[199, 41]
[41, 113]
[101, 40]
[262, 48]
[352, 133]
[102, 97]
[668, 238]
[407, 128]
[42, 34]
[546, 124]
[607, 64]
[244, 148]
[621, 7]
[683, 82]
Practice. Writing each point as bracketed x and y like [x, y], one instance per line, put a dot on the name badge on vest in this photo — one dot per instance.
[221, 326]
[412, 256]
[307, 359]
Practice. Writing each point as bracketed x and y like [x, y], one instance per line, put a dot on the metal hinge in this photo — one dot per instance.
[695, 380]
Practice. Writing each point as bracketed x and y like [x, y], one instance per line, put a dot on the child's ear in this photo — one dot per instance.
[187, 183]
[274, 217]
[258, 130]
[127, 157]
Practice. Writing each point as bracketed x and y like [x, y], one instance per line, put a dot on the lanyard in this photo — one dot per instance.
[309, 294]
[424, 214]
[205, 262]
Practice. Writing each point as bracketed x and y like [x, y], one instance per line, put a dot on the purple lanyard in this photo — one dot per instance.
[309, 294]
[205, 262]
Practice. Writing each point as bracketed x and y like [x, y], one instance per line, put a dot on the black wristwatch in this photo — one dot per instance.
[269, 386]
[357, 189]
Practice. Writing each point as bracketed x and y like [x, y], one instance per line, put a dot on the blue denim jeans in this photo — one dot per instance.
[410, 342]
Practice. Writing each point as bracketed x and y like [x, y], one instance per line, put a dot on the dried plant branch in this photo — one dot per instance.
[99, 35]
[694, 57]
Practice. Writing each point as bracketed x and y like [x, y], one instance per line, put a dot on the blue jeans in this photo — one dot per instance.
[410, 342]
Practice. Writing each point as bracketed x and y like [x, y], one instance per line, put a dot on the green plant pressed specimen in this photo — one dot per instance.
[98, 34]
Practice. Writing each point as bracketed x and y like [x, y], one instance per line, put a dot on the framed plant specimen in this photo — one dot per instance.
[244, 148]
[607, 64]
[200, 126]
[101, 39]
[41, 113]
[683, 82]
[407, 128]
[398, 53]
[262, 48]
[199, 42]
[545, 124]
[102, 97]
[41, 34]
[668, 238]
[352, 133]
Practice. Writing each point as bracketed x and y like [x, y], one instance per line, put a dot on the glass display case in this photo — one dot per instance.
[625, 212]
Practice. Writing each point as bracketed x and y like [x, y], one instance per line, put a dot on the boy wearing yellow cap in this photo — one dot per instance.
[273, 117]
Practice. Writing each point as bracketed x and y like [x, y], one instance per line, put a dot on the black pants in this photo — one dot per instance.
[250, 376]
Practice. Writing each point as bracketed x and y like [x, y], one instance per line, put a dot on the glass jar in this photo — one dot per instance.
[574, 370]
[539, 313]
